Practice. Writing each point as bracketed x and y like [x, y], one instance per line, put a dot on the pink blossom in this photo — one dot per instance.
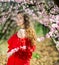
[54, 25]
[40, 39]
[57, 19]
[47, 35]
[19, 1]
[50, 33]
[58, 27]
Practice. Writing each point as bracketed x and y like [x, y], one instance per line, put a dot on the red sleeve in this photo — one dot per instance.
[11, 42]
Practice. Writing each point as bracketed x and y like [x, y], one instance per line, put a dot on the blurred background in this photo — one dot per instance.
[44, 15]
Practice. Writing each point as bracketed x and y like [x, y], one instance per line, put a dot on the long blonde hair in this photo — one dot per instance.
[29, 28]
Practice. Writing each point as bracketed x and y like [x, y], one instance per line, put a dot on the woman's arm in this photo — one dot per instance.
[12, 52]
[23, 48]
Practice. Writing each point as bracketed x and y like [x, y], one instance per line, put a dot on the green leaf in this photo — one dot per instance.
[40, 29]
[36, 55]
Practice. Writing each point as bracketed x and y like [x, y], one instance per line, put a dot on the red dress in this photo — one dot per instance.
[21, 57]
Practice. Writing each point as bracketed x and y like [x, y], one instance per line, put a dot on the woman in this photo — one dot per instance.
[21, 44]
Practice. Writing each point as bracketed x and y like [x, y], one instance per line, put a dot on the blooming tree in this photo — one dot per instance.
[44, 11]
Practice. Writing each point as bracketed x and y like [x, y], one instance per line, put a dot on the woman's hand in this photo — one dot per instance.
[23, 47]
[12, 52]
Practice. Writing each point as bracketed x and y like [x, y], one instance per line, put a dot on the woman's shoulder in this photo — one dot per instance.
[12, 38]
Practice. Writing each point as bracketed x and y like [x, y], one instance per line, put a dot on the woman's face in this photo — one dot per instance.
[19, 20]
